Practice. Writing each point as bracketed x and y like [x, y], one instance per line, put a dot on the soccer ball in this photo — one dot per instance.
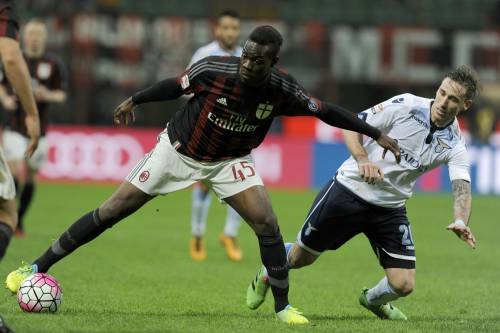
[39, 293]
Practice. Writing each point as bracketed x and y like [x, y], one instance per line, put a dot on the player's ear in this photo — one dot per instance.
[467, 104]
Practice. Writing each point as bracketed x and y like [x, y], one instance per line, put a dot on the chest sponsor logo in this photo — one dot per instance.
[232, 122]
[264, 110]
[412, 162]
[44, 70]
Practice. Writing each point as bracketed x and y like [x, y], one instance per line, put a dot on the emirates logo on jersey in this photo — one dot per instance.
[264, 110]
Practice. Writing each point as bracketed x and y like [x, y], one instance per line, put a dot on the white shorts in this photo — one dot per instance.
[7, 187]
[164, 170]
[15, 145]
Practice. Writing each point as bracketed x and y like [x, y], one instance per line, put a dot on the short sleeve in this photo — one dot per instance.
[459, 163]
[382, 115]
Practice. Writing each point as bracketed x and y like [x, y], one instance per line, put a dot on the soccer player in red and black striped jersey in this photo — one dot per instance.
[17, 72]
[18, 75]
[210, 140]
[49, 86]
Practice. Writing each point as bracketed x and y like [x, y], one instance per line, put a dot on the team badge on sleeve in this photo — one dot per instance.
[313, 104]
[185, 81]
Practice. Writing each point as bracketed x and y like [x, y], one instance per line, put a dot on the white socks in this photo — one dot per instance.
[233, 222]
[199, 211]
[382, 293]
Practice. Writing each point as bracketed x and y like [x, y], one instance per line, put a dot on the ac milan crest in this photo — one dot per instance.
[144, 176]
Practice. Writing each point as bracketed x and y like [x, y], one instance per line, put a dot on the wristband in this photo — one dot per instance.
[460, 222]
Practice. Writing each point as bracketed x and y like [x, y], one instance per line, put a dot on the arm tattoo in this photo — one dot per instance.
[462, 194]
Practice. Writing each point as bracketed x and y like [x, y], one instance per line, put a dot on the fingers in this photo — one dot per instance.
[31, 148]
[370, 173]
[383, 154]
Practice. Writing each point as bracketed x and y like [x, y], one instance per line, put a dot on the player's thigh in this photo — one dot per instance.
[14, 145]
[124, 201]
[334, 217]
[8, 212]
[391, 239]
[7, 187]
[254, 206]
[163, 170]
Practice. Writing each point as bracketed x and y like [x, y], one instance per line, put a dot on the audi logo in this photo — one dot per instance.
[94, 156]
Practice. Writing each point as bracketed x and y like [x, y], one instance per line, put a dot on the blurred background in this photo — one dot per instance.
[352, 52]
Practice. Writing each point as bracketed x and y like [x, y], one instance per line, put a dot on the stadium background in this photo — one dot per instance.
[356, 53]
[138, 277]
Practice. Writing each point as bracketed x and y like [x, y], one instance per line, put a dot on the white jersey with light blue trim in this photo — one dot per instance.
[405, 118]
[214, 49]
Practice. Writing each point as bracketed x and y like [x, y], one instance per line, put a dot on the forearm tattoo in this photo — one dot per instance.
[462, 194]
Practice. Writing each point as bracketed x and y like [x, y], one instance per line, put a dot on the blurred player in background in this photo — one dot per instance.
[17, 72]
[49, 85]
[227, 35]
[210, 139]
[368, 195]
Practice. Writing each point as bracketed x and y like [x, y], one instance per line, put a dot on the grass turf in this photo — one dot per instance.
[138, 277]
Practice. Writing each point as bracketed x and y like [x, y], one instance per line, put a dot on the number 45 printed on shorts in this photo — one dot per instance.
[242, 170]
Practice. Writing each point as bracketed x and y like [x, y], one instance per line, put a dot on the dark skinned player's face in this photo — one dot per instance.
[256, 63]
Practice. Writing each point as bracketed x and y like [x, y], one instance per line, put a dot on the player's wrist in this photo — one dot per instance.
[460, 222]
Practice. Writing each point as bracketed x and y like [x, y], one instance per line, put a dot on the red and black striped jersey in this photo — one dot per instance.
[46, 70]
[224, 118]
[9, 22]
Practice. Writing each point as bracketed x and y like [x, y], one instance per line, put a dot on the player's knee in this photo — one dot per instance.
[266, 224]
[111, 212]
[403, 286]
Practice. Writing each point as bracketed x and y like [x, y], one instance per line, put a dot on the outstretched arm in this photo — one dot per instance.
[461, 211]
[368, 170]
[165, 90]
[338, 116]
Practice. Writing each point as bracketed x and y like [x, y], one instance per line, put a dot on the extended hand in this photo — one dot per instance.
[33, 128]
[464, 233]
[389, 144]
[369, 171]
[124, 113]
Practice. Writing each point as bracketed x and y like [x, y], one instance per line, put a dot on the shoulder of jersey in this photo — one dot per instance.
[281, 77]
[215, 64]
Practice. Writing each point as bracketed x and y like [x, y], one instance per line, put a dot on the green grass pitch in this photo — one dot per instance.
[138, 276]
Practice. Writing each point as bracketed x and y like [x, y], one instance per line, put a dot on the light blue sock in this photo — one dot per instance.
[34, 267]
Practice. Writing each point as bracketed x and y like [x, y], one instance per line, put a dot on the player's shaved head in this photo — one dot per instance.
[268, 36]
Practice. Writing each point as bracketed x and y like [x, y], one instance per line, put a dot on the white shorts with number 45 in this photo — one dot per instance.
[164, 170]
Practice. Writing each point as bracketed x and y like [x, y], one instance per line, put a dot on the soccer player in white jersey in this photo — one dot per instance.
[227, 34]
[368, 193]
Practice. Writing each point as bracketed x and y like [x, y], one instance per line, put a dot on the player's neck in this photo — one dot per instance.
[226, 48]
